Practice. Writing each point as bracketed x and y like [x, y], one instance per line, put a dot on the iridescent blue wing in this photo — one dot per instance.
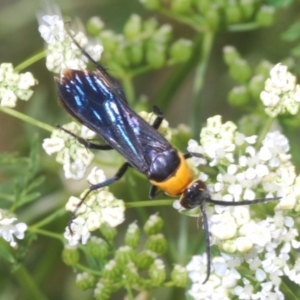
[98, 102]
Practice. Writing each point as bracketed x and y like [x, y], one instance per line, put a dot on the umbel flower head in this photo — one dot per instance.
[262, 245]
[98, 207]
[74, 157]
[281, 93]
[14, 86]
[62, 53]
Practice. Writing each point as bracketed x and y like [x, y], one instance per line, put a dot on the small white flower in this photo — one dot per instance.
[52, 29]
[9, 229]
[77, 231]
[8, 98]
[53, 145]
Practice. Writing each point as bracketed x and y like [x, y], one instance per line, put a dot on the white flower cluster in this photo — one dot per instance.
[281, 93]
[14, 85]
[9, 229]
[99, 207]
[62, 52]
[74, 157]
[265, 246]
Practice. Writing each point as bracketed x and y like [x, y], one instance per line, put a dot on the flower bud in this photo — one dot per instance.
[240, 70]
[181, 50]
[229, 246]
[230, 54]
[111, 270]
[238, 96]
[179, 276]
[157, 272]
[256, 85]
[151, 4]
[108, 232]
[264, 68]
[85, 281]
[109, 41]
[94, 26]
[132, 27]
[103, 291]
[150, 26]
[265, 16]
[131, 274]
[133, 235]
[181, 6]
[153, 225]
[157, 243]
[156, 56]
[145, 259]
[121, 56]
[70, 255]
[97, 247]
[135, 52]
[204, 6]
[233, 13]
[124, 255]
[247, 8]
[212, 18]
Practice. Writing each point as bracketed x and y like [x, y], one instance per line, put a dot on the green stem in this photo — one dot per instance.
[26, 118]
[188, 20]
[146, 203]
[47, 233]
[88, 270]
[31, 61]
[243, 27]
[128, 88]
[129, 292]
[264, 132]
[288, 293]
[199, 78]
[29, 286]
[57, 214]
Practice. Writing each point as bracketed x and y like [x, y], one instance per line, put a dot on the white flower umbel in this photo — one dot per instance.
[10, 229]
[61, 51]
[223, 278]
[74, 157]
[14, 86]
[99, 207]
[281, 93]
[265, 244]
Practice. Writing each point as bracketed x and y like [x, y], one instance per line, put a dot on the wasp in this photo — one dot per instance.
[97, 101]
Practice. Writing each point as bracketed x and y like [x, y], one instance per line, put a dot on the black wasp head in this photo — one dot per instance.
[194, 195]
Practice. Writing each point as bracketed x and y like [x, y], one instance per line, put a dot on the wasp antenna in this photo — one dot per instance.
[207, 242]
[239, 203]
[98, 66]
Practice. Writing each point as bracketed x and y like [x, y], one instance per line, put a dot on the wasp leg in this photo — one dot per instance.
[192, 154]
[153, 192]
[84, 142]
[100, 185]
[159, 117]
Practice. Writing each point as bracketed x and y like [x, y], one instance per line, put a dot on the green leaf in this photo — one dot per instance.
[4, 253]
